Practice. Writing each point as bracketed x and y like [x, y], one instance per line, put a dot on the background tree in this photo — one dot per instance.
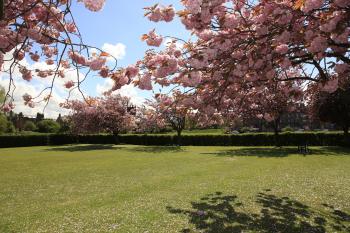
[19, 121]
[192, 120]
[147, 120]
[65, 124]
[112, 114]
[173, 110]
[3, 124]
[334, 108]
[48, 126]
[39, 117]
[6, 126]
[10, 127]
[276, 100]
[59, 119]
[29, 126]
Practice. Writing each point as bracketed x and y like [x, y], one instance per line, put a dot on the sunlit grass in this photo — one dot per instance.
[105, 188]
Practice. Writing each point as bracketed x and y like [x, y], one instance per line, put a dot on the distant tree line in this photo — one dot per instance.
[18, 123]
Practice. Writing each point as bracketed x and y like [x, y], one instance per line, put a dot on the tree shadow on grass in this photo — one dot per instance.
[156, 149]
[77, 148]
[280, 152]
[259, 152]
[218, 213]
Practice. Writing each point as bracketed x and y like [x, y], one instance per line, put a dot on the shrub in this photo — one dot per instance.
[29, 126]
[21, 141]
[61, 139]
[288, 129]
[244, 130]
[261, 139]
[10, 127]
[3, 124]
[48, 126]
[64, 127]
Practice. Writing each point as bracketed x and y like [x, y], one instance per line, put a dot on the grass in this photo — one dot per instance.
[105, 188]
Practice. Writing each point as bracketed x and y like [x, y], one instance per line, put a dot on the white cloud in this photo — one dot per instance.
[118, 50]
[128, 90]
[52, 110]
[60, 93]
[34, 87]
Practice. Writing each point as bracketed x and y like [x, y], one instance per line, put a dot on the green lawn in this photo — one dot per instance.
[86, 188]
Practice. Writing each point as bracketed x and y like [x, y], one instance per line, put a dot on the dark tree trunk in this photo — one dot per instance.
[2, 13]
[116, 137]
[346, 136]
[178, 138]
[346, 130]
[276, 124]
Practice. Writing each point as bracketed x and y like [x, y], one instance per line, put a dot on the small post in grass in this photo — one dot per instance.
[304, 149]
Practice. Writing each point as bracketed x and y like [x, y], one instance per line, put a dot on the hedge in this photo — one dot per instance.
[261, 139]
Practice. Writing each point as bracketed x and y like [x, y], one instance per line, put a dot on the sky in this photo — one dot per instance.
[116, 29]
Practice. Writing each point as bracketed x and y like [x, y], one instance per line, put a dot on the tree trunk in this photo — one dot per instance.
[116, 138]
[2, 13]
[276, 132]
[179, 136]
[346, 130]
[346, 136]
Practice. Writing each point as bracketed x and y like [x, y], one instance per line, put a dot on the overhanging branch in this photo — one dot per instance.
[1, 9]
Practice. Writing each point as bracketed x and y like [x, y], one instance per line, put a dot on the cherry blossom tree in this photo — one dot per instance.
[112, 114]
[252, 40]
[173, 110]
[147, 120]
[33, 31]
[240, 44]
[276, 100]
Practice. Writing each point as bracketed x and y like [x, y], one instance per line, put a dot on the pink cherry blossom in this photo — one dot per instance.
[152, 39]
[158, 13]
[69, 84]
[96, 63]
[104, 72]
[35, 57]
[112, 114]
[77, 58]
[27, 98]
[20, 55]
[168, 13]
[94, 5]
[132, 71]
[283, 48]
[4, 42]
[155, 15]
[26, 74]
[312, 4]
[8, 107]
[342, 3]
[318, 44]
[145, 82]
[70, 27]
[268, 117]
[331, 85]
[43, 30]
